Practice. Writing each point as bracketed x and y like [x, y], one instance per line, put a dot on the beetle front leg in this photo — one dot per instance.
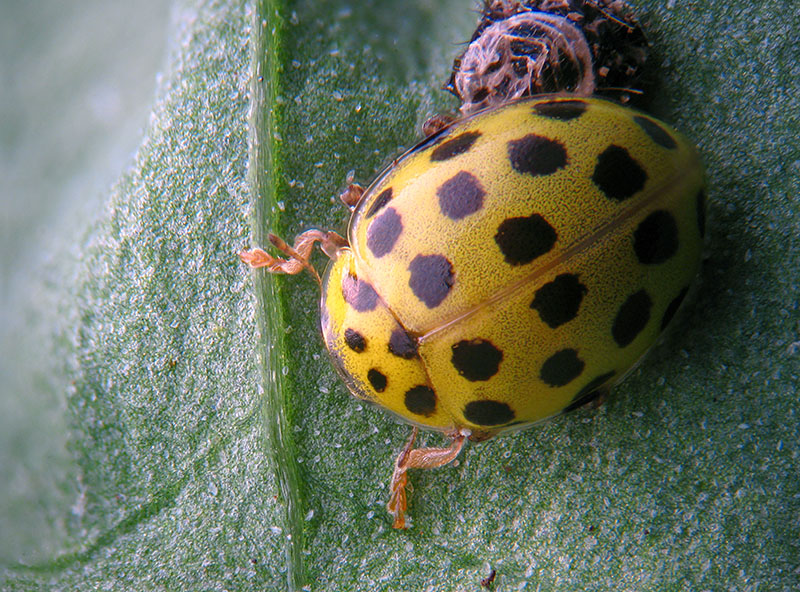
[297, 256]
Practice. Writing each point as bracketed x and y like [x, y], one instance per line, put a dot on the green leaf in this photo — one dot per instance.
[134, 448]
[170, 421]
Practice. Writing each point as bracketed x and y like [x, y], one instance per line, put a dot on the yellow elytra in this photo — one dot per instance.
[509, 268]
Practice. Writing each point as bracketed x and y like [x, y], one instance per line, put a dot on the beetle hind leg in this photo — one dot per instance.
[417, 458]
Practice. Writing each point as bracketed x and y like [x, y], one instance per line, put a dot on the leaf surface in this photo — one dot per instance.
[170, 420]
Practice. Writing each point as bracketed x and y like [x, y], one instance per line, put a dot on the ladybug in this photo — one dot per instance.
[512, 266]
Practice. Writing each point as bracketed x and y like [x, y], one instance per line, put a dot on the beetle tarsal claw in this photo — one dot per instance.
[259, 258]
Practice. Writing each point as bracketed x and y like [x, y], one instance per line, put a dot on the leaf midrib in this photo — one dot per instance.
[264, 170]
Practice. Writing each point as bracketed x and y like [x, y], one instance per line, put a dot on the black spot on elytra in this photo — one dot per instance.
[431, 278]
[421, 400]
[377, 380]
[558, 301]
[657, 133]
[460, 196]
[358, 294]
[562, 110]
[656, 238]
[380, 202]
[536, 155]
[561, 368]
[701, 212]
[488, 413]
[383, 232]
[402, 345]
[617, 174]
[455, 146]
[588, 393]
[521, 240]
[632, 317]
[673, 308]
[355, 340]
[476, 360]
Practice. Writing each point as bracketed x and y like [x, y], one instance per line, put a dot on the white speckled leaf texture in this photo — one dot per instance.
[170, 421]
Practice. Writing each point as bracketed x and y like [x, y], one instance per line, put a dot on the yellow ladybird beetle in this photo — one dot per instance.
[510, 267]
